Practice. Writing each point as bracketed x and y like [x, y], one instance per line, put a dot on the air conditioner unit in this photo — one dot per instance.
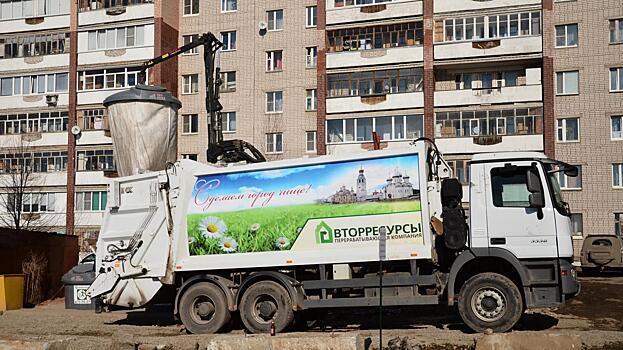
[51, 100]
[263, 25]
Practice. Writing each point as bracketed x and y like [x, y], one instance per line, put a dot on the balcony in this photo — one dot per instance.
[381, 11]
[375, 102]
[503, 144]
[375, 57]
[489, 48]
[130, 54]
[33, 101]
[46, 22]
[100, 15]
[443, 6]
[511, 94]
[35, 62]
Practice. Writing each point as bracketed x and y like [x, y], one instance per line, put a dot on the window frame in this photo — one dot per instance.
[351, 127]
[314, 100]
[618, 79]
[189, 84]
[190, 123]
[566, 35]
[307, 141]
[311, 61]
[274, 142]
[618, 168]
[274, 102]
[313, 21]
[189, 4]
[612, 119]
[564, 75]
[525, 169]
[226, 121]
[561, 125]
[227, 43]
[224, 6]
[563, 180]
[191, 37]
[275, 20]
[226, 86]
[271, 61]
[615, 25]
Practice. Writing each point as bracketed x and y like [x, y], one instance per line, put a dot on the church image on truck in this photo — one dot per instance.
[397, 186]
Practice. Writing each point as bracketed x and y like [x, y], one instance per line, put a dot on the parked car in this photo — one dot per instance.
[602, 252]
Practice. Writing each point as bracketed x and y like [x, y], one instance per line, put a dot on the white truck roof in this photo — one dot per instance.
[507, 155]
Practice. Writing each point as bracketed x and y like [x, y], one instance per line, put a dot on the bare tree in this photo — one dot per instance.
[20, 188]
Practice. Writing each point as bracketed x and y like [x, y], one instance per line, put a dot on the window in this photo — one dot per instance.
[616, 79]
[12, 9]
[12, 124]
[274, 102]
[33, 202]
[33, 45]
[229, 121]
[190, 124]
[89, 5]
[311, 57]
[115, 38]
[616, 31]
[108, 78]
[274, 61]
[491, 27]
[93, 119]
[191, 156]
[342, 3]
[311, 18]
[460, 169]
[509, 187]
[274, 142]
[567, 83]
[187, 39]
[568, 129]
[567, 35]
[229, 41]
[519, 121]
[311, 100]
[91, 201]
[229, 5]
[190, 84]
[577, 225]
[310, 137]
[568, 183]
[375, 37]
[405, 127]
[40, 162]
[191, 7]
[96, 160]
[617, 175]
[617, 127]
[34, 84]
[375, 83]
[275, 20]
[229, 81]
[618, 224]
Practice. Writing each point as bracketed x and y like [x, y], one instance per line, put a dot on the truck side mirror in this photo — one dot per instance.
[571, 171]
[536, 198]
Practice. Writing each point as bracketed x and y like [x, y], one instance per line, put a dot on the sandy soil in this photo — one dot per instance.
[596, 316]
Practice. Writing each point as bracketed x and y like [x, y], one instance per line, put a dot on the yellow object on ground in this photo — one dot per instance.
[11, 292]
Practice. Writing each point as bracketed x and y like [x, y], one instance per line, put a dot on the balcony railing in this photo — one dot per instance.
[91, 5]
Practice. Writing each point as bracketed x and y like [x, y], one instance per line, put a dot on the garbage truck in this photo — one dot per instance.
[269, 241]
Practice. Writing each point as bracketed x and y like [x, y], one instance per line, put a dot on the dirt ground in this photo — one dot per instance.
[596, 316]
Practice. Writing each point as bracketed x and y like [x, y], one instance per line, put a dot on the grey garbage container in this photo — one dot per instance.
[77, 281]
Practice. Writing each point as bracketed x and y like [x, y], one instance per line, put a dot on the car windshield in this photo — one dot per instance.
[553, 168]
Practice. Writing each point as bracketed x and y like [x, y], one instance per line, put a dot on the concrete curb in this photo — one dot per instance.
[528, 341]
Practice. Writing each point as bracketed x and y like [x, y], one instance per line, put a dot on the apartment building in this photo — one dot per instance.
[113, 38]
[588, 68]
[466, 73]
[268, 65]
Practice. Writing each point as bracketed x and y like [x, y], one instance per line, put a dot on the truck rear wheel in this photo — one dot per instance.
[203, 308]
[263, 303]
[490, 300]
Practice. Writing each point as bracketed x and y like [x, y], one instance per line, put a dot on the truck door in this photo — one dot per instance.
[512, 222]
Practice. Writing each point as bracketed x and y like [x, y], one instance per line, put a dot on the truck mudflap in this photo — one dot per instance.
[569, 279]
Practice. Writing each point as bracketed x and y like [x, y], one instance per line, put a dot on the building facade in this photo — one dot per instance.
[588, 68]
[268, 65]
[113, 38]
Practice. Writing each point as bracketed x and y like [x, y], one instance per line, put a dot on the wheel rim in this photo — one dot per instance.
[203, 309]
[265, 307]
[489, 304]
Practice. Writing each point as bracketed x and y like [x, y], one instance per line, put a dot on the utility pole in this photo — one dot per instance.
[73, 101]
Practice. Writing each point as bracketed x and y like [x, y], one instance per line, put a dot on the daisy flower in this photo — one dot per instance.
[282, 242]
[228, 245]
[212, 227]
[254, 227]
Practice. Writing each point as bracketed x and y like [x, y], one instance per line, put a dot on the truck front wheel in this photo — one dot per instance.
[203, 308]
[266, 302]
[490, 300]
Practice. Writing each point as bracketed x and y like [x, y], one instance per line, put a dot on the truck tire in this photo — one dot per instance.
[265, 302]
[203, 308]
[490, 301]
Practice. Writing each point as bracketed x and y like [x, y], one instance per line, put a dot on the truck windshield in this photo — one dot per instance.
[553, 168]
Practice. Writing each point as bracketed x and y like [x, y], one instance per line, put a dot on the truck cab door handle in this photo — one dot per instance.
[498, 241]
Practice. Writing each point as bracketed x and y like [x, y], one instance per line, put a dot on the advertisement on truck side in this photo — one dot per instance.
[308, 207]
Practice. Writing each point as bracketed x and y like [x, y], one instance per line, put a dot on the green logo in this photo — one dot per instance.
[324, 233]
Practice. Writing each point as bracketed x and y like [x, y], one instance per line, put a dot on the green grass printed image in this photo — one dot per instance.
[272, 228]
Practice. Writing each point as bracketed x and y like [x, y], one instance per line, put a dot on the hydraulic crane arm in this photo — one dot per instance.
[229, 151]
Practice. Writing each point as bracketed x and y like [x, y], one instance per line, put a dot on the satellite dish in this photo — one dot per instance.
[75, 130]
[263, 25]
